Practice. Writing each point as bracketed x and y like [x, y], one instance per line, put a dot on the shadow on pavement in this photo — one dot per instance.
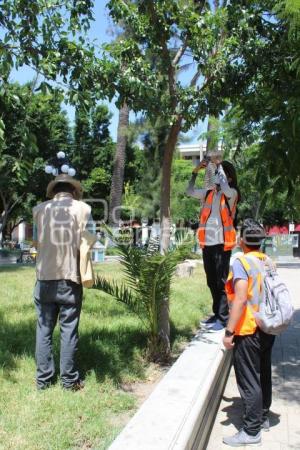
[234, 413]
[286, 363]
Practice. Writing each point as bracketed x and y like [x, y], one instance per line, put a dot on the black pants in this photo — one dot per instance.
[216, 265]
[55, 300]
[252, 365]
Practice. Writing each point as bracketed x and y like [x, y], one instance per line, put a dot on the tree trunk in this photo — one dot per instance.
[119, 165]
[8, 207]
[3, 224]
[3, 218]
[165, 219]
[165, 200]
[211, 141]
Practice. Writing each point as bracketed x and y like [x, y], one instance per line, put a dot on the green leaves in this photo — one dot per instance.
[120, 292]
[32, 129]
[147, 282]
[37, 33]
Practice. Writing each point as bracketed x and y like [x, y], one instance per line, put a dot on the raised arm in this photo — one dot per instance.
[225, 188]
[191, 191]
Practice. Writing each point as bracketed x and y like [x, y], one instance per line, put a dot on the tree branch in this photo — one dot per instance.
[179, 54]
[15, 203]
[166, 54]
[4, 202]
[15, 225]
[195, 78]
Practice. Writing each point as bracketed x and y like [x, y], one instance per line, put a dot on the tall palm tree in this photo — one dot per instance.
[119, 165]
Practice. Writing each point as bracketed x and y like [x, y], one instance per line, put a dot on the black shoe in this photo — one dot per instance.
[210, 321]
[77, 386]
[43, 387]
[265, 426]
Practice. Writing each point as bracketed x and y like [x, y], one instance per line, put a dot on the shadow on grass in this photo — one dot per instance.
[110, 354]
[182, 332]
[15, 267]
[16, 340]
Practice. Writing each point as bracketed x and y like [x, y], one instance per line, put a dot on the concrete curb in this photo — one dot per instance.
[180, 411]
[288, 264]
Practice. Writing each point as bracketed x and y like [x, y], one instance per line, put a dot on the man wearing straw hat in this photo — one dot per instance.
[58, 292]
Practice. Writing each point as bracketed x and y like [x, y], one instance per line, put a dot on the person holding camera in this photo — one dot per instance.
[216, 232]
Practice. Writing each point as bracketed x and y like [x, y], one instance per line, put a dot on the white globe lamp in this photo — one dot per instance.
[71, 172]
[48, 169]
[65, 168]
[61, 155]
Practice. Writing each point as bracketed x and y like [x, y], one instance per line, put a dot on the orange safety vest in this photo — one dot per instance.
[247, 324]
[227, 216]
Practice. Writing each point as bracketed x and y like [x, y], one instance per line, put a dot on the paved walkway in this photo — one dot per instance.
[284, 433]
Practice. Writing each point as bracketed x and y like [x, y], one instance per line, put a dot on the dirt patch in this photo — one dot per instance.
[142, 390]
[155, 372]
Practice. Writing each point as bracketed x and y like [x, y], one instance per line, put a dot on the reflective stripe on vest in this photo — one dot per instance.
[226, 217]
[254, 268]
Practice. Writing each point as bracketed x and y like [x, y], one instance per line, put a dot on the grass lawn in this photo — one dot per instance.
[111, 353]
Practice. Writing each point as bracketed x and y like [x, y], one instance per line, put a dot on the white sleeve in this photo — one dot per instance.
[229, 192]
[196, 193]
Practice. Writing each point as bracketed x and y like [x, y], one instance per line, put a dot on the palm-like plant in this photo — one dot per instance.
[148, 276]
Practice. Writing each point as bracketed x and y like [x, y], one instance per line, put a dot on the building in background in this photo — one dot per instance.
[22, 233]
[194, 152]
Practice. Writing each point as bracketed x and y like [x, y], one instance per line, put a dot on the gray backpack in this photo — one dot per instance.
[275, 310]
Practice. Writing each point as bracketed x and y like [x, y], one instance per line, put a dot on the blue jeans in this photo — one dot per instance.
[57, 300]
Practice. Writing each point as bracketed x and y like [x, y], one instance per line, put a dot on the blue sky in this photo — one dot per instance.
[100, 30]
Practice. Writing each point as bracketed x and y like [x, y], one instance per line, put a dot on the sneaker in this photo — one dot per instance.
[265, 426]
[215, 327]
[210, 321]
[242, 438]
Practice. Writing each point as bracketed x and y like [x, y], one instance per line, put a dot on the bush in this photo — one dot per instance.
[6, 253]
[112, 251]
[148, 275]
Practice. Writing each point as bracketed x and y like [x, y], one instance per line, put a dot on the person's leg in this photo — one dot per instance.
[46, 320]
[209, 263]
[267, 342]
[222, 261]
[247, 372]
[69, 320]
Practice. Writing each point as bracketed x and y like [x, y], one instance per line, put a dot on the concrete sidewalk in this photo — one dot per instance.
[284, 433]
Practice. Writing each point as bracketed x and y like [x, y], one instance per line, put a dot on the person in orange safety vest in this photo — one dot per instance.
[216, 234]
[251, 347]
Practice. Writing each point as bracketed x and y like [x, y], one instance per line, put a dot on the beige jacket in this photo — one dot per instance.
[60, 225]
[86, 267]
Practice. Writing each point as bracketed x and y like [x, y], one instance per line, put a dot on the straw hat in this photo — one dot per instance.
[64, 178]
